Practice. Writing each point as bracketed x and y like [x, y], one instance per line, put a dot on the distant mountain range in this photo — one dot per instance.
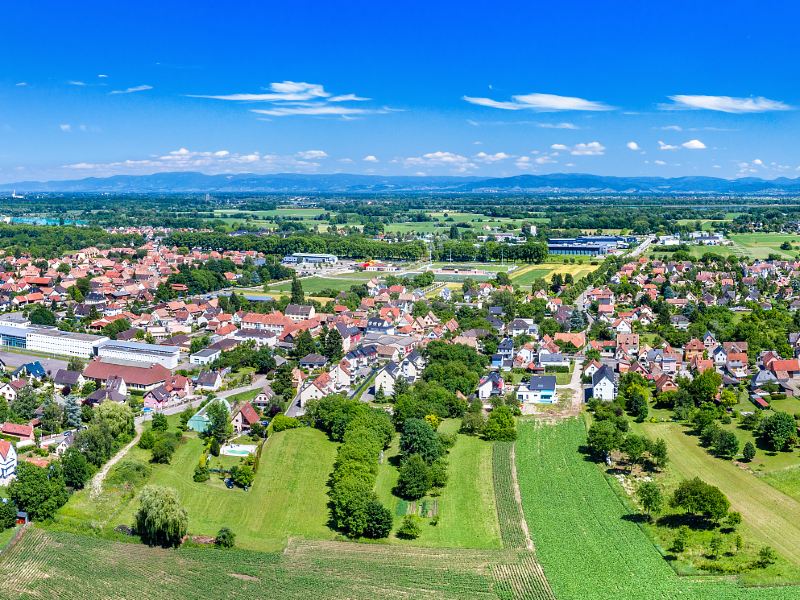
[293, 183]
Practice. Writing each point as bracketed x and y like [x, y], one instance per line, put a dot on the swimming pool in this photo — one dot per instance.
[237, 450]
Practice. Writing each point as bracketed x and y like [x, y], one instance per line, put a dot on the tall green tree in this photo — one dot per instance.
[161, 520]
[297, 295]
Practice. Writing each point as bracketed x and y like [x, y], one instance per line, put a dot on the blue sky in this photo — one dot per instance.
[463, 88]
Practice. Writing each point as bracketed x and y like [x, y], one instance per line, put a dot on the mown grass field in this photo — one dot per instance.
[466, 506]
[316, 283]
[289, 496]
[769, 516]
[588, 546]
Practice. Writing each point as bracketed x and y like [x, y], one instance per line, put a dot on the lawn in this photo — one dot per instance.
[467, 513]
[287, 499]
[761, 245]
[584, 539]
[49, 564]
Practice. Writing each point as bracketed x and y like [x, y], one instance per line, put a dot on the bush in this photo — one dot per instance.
[201, 474]
[147, 440]
[409, 529]
[163, 450]
[243, 475]
[282, 423]
[214, 448]
[225, 538]
[129, 471]
[159, 422]
[8, 514]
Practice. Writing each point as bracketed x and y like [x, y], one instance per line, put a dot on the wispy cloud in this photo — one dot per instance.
[65, 127]
[77, 83]
[449, 160]
[540, 103]
[491, 158]
[312, 154]
[664, 146]
[299, 98]
[557, 125]
[726, 104]
[132, 90]
[21, 84]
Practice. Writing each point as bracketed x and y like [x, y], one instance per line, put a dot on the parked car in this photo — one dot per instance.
[228, 483]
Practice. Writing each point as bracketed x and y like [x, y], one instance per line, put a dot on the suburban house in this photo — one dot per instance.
[8, 462]
[208, 381]
[24, 433]
[244, 418]
[491, 385]
[603, 384]
[541, 389]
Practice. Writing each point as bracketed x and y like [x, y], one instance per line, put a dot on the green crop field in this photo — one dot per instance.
[587, 546]
[49, 564]
[316, 283]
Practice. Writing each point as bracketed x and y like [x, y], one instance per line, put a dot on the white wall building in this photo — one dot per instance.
[49, 340]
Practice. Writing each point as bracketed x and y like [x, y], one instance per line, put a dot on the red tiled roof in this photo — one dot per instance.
[144, 376]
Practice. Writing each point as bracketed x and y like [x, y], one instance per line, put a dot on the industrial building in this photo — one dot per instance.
[139, 352]
[305, 258]
[50, 340]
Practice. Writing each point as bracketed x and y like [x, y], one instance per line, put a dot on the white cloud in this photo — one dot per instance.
[300, 98]
[758, 162]
[559, 147]
[316, 110]
[663, 146]
[76, 83]
[659, 162]
[726, 104]
[65, 127]
[455, 162]
[672, 128]
[590, 149]
[491, 158]
[523, 162]
[544, 160]
[371, 158]
[557, 125]
[215, 161]
[312, 154]
[133, 90]
[694, 145]
[632, 146]
[102, 76]
[541, 103]
[21, 84]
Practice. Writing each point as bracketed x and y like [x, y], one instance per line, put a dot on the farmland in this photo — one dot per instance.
[47, 564]
[580, 527]
[316, 283]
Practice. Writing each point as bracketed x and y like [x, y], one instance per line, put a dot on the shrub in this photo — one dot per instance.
[148, 440]
[159, 422]
[129, 471]
[282, 423]
[201, 474]
[163, 450]
[225, 538]
[409, 529]
[243, 475]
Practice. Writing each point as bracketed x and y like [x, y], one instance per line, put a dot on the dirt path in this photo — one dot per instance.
[96, 484]
[518, 496]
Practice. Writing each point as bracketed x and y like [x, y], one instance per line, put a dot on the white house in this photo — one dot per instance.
[8, 462]
[8, 392]
[539, 390]
[491, 385]
[603, 386]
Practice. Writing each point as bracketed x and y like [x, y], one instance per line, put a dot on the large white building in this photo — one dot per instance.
[49, 340]
[139, 352]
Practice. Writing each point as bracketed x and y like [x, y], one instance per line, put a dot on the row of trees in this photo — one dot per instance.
[364, 433]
